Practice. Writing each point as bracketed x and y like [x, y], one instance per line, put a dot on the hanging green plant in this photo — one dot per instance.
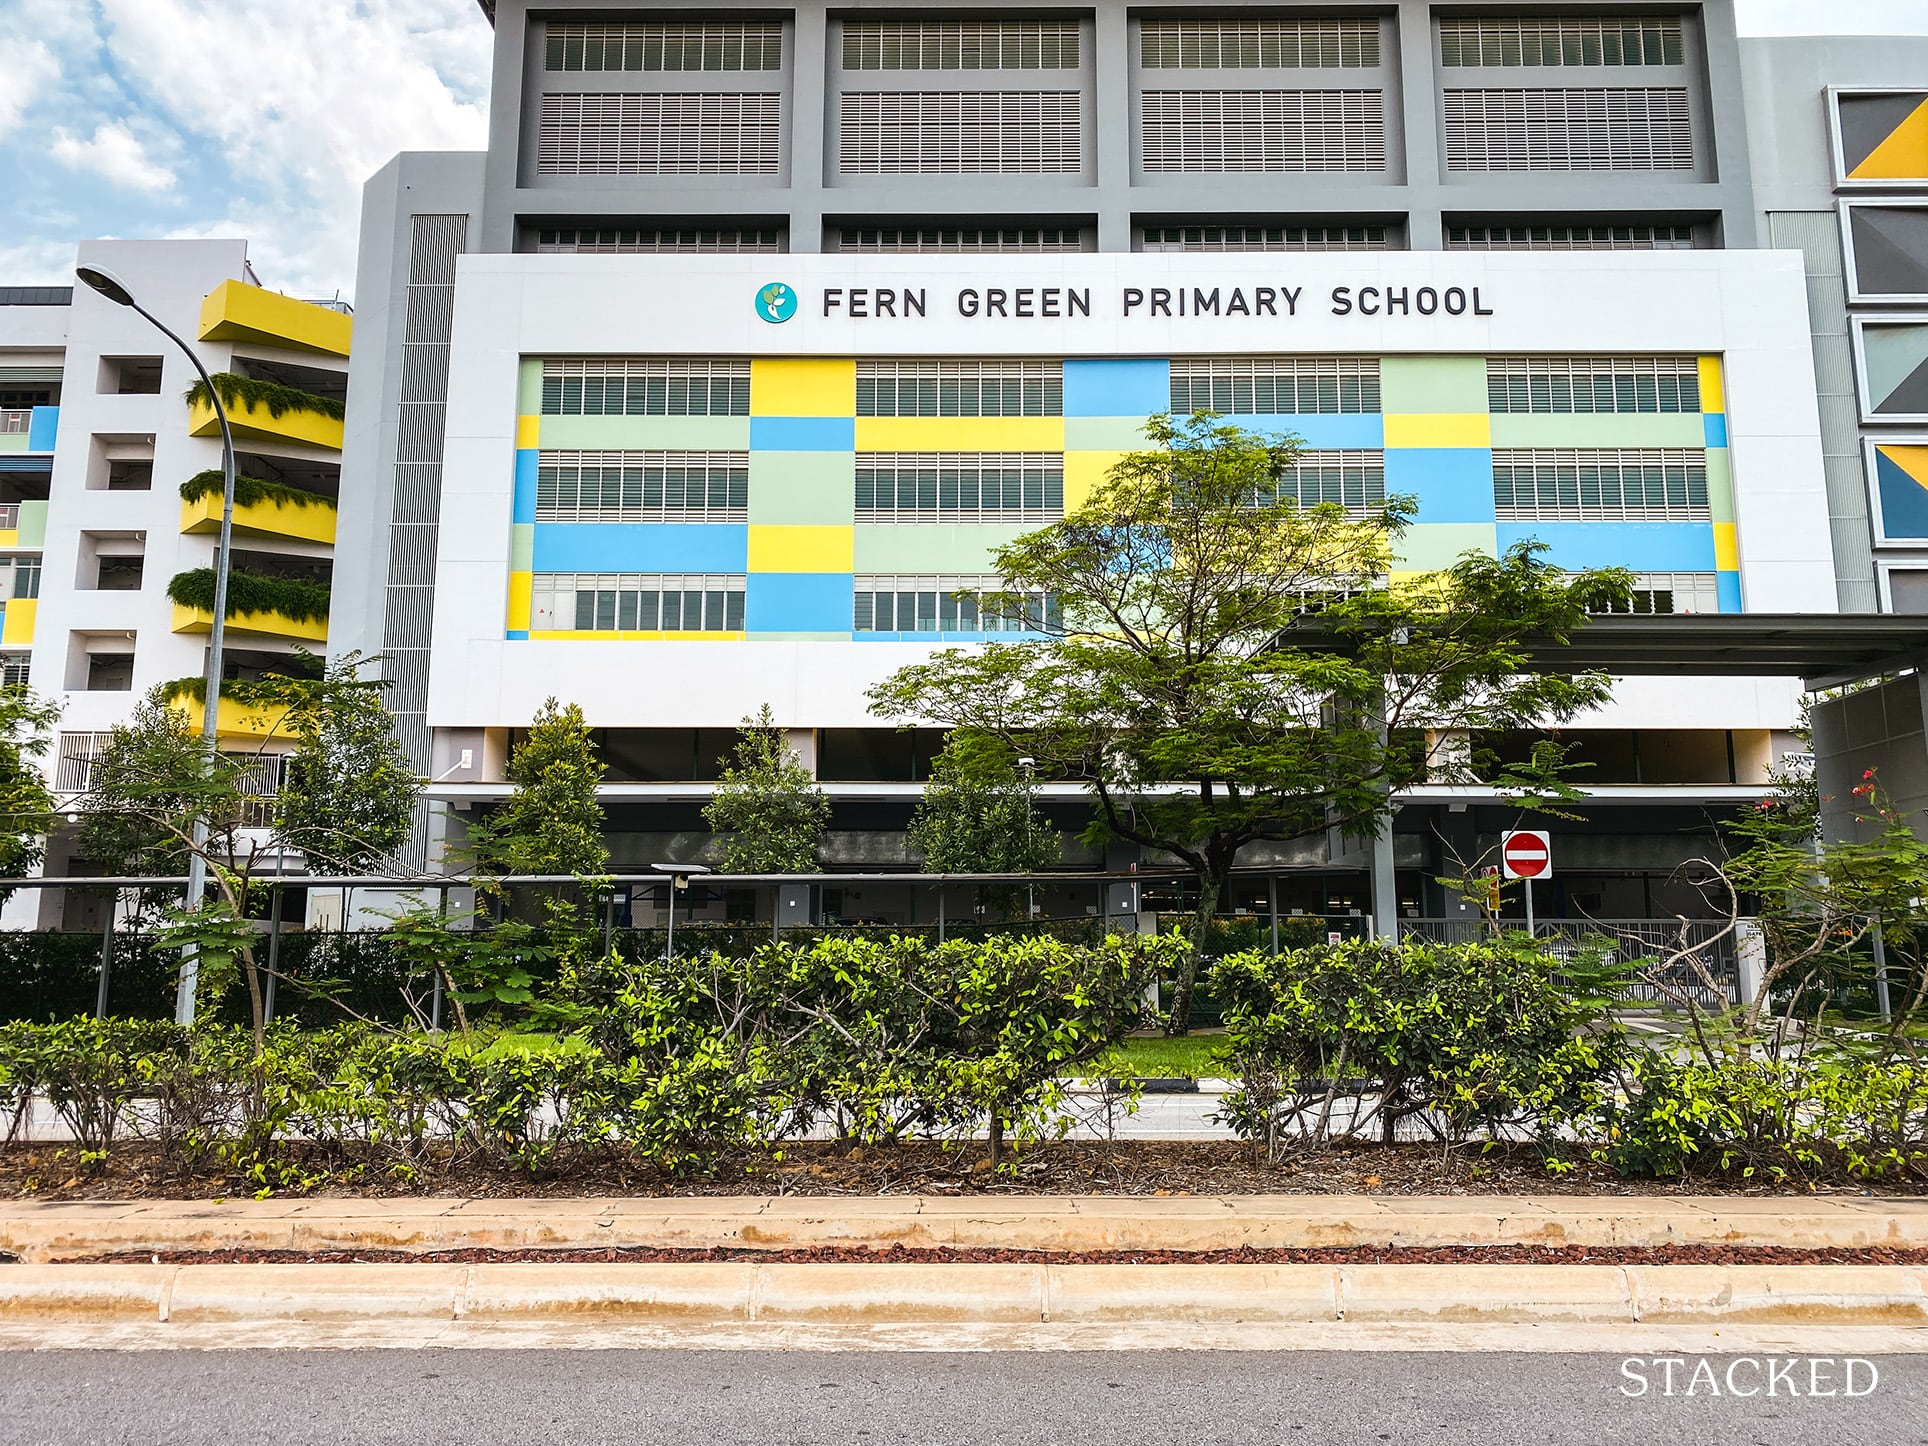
[249, 491]
[248, 393]
[251, 593]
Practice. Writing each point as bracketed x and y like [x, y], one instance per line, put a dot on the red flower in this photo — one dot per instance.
[1867, 773]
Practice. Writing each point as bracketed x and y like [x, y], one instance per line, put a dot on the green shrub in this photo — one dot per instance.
[1337, 1039]
[89, 1071]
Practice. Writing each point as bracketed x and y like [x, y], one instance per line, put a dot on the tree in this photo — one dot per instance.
[551, 823]
[767, 806]
[154, 779]
[26, 803]
[978, 816]
[1232, 667]
[350, 791]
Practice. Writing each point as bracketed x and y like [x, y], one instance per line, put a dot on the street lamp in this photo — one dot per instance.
[115, 290]
[679, 883]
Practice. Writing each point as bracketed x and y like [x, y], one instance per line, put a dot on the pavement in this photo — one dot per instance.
[790, 1398]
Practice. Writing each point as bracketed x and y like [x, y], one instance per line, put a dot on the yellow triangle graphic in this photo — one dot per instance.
[1903, 156]
[1912, 460]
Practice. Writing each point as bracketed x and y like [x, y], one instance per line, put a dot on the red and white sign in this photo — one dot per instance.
[1526, 853]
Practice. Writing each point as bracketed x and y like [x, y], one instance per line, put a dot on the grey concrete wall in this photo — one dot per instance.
[1877, 728]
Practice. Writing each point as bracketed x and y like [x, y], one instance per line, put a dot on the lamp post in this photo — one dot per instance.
[111, 287]
[679, 883]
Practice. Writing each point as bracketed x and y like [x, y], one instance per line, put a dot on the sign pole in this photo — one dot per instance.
[1529, 905]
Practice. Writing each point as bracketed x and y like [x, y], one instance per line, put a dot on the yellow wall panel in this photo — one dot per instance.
[21, 613]
[1713, 393]
[1441, 429]
[1083, 471]
[802, 387]
[528, 433]
[960, 434]
[776, 548]
[520, 584]
[1727, 552]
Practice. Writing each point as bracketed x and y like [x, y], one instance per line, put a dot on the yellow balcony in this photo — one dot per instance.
[305, 428]
[236, 311]
[236, 720]
[260, 625]
[312, 522]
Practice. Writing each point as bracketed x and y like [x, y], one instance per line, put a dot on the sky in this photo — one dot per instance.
[262, 118]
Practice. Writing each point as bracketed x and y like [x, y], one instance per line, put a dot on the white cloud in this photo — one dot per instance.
[24, 73]
[305, 106]
[115, 153]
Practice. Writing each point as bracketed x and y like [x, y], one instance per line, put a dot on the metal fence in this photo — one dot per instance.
[1631, 940]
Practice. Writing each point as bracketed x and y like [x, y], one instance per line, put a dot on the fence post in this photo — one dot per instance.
[106, 955]
[1881, 999]
[274, 949]
[1750, 958]
[435, 999]
[940, 913]
[609, 918]
[1272, 906]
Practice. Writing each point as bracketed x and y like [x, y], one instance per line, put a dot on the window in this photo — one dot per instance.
[1265, 238]
[13, 669]
[1258, 44]
[660, 134]
[26, 576]
[588, 242]
[757, 45]
[1216, 131]
[1593, 384]
[1657, 593]
[908, 239]
[934, 133]
[639, 388]
[1567, 41]
[1643, 129]
[960, 45]
[1354, 480]
[1275, 386]
[960, 604]
[642, 487]
[636, 602]
[960, 389]
[960, 487]
[1559, 485]
[1605, 236]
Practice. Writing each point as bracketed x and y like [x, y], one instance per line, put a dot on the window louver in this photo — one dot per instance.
[1593, 384]
[642, 486]
[636, 602]
[1600, 237]
[658, 47]
[627, 243]
[935, 133]
[960, 487]
[653, 135]
[643, 387]
[907, 239]
[1354, 480]
[1203, 131]
[1616, 485]
[1647, 129]
[1265, 238]
[1259, 44]
[960, 389]
[1557, 42]
[960, 603]
[960, 45]
[1275, 386]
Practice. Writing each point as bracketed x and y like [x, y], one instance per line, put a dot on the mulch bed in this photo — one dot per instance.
[907, 1255]
[1137, 1167]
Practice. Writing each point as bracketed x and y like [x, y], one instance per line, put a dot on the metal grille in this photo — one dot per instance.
[960, 389]
[962, 603]
[910, 239]
[1263, 130]
[647, 602]
[13, 669]
[1656, 593]
[635, 243]
[660, 135]
[1275, 386]
[1593, 384]
[1265, 238]
[943, 133]
[1354, 480]
[757, 45]
[1596, 129]
[642, 487]
[1626, 485]
[961, 45]
[960, 487]
[1565, 41]
[15, 420]
[642, 387]
[74, 762]
[1259, 44]
[1597, 237]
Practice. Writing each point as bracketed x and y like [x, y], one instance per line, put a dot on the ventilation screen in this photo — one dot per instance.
[1214, 131]
[961, 239]
[1259, 44]
[1265, 238]
[1569, 130]
[626, 243]
[652, 135]
[590, 47]
[960, 45]
[1564, 42]
[936, 133]
[1604, 236]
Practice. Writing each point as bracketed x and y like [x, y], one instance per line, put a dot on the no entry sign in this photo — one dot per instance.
[1526, 853]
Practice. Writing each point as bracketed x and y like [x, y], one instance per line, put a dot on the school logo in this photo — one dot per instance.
[776, 302]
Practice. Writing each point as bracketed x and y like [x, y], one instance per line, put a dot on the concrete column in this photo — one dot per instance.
[1385, 889]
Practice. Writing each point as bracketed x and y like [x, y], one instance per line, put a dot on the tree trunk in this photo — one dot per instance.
[1186, 983]
[995, 1132]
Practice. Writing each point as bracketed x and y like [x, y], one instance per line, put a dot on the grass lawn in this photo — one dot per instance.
[1193, 1056]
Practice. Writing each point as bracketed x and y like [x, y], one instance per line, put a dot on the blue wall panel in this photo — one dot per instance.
[803, 434]
[799, 602]
[1453, 484]
[1640, 546]
[641, 547]
[1117, 388]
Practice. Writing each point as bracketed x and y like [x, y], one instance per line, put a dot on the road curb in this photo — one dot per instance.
[742, 1293]
[38, 1232]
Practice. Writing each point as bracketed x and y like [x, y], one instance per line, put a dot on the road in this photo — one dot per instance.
[766, 1398]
